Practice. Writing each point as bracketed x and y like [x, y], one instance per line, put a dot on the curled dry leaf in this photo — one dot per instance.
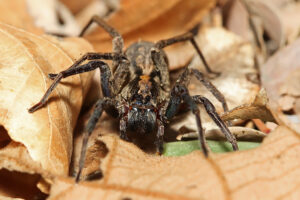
[280, 76]
[130, 173]
[20, 176]
[240, 133]
[233, 57]
[258, 109]
[154, 21]
[26, 59]
[236, 18]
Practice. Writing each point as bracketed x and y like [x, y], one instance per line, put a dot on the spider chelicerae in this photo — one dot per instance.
[138, 91]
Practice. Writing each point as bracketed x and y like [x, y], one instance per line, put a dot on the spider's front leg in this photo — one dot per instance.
[101, 105]
[78, 68]
[211, 110]
[159, 136]
[180, 94]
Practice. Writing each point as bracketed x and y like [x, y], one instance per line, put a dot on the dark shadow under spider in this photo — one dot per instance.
[137, 89]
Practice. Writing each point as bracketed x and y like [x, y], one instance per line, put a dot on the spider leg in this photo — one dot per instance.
[100, 106]
[93, 56]
[159, 137]
[162, 69]
[118, 42]
[210, 109]
[189, 36]
[92, 65]
[121, 76]
[123, 127]
[180, 94]
[219, 96]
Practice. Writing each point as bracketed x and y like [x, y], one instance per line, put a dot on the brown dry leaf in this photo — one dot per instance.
[261, 173]
[26, 59]
[280, 76]
[233, 57]
[16, 13]
[153, 21]
[20, 176]
[263, 15]
[258, 109]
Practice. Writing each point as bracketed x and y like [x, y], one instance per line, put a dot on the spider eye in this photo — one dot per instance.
[147, 98]
[137, 97]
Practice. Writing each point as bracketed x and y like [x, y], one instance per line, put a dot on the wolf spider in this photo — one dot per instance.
[138, 90]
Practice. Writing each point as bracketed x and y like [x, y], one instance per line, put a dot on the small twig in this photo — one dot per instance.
[261, 126]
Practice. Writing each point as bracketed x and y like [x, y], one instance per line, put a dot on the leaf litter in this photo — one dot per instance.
[233, 57]
[228, 170]
[129, 172]
[280, 76]
[154, 21]
[47, 134]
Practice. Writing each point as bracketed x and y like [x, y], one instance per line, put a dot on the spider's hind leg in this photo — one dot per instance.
[189, 36]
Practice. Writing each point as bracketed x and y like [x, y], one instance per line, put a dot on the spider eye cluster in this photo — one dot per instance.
[140, 100]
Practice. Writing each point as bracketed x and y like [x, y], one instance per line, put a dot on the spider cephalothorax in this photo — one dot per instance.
[137, 89]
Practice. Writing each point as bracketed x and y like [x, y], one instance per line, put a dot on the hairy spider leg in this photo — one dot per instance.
[180, 94]
[159, 137]
[217, 94]
[102, 103]
[189, 36]
[185, 79]
[97, 112]
[121, 67]
[117, 41]
[107, 102]
[76, 68]
[211, 110]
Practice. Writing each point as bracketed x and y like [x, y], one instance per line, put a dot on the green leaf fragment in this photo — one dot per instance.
[184, 147]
